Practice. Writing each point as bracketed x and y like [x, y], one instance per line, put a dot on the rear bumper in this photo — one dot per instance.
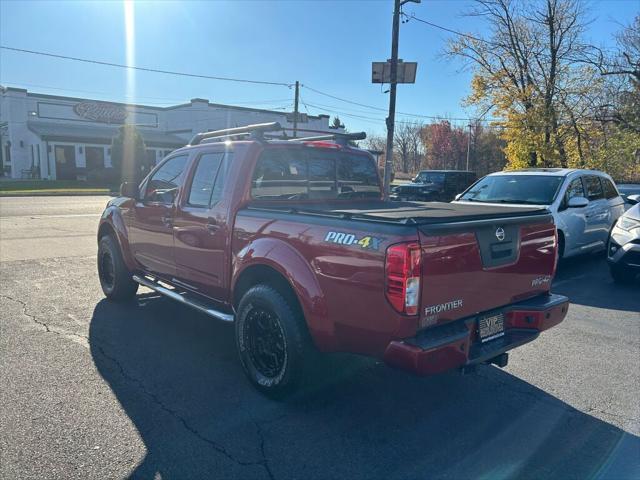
[456, 344]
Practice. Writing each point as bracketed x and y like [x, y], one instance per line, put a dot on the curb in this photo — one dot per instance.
[58, 194]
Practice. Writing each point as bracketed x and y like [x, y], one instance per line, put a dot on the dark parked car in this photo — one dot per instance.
[434, 186]
[293, 243]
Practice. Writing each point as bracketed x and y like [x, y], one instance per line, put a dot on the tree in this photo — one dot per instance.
[528, 69]
[128, 154]
[446, 146]
[376, 143]
[336, 123]
[408, 147]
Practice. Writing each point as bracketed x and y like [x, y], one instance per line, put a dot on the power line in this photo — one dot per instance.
[407, 114]
[440, 27]
[144, 69]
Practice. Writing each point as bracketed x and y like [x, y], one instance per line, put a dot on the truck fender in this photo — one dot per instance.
[112, 222]
[286, 260]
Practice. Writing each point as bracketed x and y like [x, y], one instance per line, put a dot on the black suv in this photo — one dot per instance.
[434, 186]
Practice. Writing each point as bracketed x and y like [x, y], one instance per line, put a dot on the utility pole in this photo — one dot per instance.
[295, 110]
[408, 75]
[388, 155]
[468, 146]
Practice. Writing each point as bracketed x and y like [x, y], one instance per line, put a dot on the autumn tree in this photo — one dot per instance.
[526, 69]
[445, 145]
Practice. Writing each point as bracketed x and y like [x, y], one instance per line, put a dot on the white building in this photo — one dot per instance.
[54, 137]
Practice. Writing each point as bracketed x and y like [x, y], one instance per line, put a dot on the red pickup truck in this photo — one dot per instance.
[291, 240]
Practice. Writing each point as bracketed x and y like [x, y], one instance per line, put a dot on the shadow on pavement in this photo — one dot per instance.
[177, 377]
[586, 281]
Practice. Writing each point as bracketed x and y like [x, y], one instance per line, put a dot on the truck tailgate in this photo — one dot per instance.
[479, 266]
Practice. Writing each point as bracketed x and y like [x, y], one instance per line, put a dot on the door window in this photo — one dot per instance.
[609, 188]
[593, 187]
[575, 189]
[163, 185]
[216, 195]
[204, 179]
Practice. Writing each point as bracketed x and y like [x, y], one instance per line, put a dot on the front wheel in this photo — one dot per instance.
[272, 340]
[115, 277]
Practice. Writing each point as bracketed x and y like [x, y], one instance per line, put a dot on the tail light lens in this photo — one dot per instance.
[402, 272]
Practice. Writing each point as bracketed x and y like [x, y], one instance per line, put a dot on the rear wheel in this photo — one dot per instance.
[272, 340]
[621, 274]
[115, 279]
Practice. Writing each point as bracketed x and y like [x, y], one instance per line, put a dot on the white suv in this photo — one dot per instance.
[585, 203]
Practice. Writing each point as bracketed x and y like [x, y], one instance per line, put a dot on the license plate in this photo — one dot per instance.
[491, 327]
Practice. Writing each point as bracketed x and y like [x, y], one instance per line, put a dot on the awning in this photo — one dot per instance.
[64, 132]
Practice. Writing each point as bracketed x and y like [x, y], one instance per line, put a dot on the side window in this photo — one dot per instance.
[609, 188]
[575, 189]
[279, 175]
[593, 187]
[163, 186]
[216, 195]
[204, 178]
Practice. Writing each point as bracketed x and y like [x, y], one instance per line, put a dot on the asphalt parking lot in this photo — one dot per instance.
[92, 390]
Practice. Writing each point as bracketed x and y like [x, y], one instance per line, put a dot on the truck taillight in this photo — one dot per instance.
[402, 272]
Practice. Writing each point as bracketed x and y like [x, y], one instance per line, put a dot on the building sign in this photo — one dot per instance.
[100, 112]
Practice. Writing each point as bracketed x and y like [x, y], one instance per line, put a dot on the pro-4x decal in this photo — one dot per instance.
[343, 238]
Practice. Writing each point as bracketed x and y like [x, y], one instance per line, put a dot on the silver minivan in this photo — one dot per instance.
[585, 203]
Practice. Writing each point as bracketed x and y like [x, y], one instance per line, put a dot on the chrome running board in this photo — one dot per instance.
[225, 317]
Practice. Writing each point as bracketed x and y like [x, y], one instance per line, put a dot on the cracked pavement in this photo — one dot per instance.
[91, 389]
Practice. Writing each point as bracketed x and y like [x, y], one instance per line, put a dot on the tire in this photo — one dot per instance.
[272, 341]
[622, 275]
[560, 251]
[115, 279]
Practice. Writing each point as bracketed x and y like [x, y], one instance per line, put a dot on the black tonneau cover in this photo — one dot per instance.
[415, 213]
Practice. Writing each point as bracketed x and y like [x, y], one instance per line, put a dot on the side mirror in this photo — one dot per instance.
[129, 189]
[457, 197]
[633, 199]
[578, 202]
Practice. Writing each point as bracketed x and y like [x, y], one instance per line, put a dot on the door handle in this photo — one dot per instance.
[212, 226]
[167, 221]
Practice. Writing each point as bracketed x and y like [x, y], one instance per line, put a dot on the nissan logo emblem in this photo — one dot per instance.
[500, 234]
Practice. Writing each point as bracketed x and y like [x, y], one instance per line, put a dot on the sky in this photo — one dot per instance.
[326, 45]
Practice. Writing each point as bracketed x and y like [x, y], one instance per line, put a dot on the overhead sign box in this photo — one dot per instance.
[406, 73]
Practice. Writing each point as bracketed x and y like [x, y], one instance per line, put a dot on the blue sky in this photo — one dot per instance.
[326, 45]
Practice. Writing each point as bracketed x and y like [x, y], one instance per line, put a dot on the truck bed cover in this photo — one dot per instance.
[407, 213]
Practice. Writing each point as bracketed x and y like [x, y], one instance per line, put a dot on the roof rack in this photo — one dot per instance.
[256, 131]
[338, 137]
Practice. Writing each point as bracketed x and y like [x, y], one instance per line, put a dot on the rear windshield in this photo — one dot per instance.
[524, 189]
[313, 174]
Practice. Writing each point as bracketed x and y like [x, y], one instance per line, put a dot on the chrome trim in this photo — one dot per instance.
[226, 317]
